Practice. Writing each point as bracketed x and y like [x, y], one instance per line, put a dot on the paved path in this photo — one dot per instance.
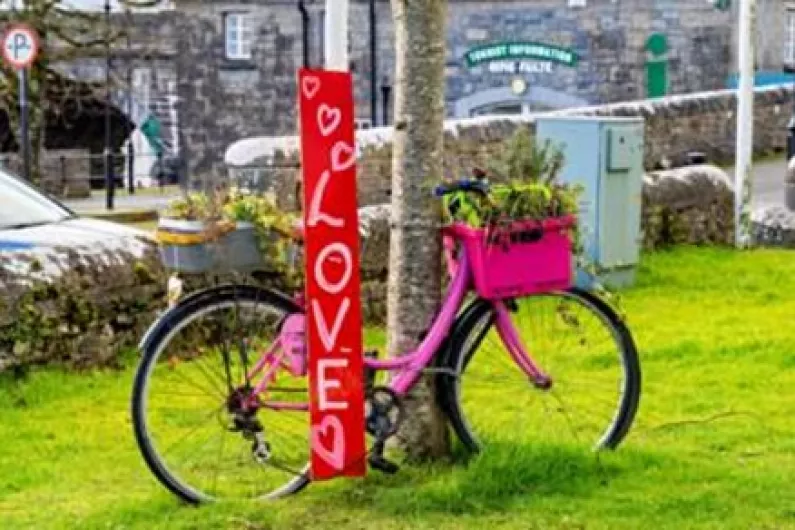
[124, 202]
[768, 183]
[768, 190]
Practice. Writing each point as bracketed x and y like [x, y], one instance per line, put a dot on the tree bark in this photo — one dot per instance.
[415, 242]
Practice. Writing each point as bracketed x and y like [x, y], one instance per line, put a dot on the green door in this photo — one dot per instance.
[656, 65]
[656, 78]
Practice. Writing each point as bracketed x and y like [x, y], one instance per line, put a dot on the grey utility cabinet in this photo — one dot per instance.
[605, 156]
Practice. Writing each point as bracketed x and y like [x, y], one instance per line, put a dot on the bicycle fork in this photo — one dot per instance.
[513, 343]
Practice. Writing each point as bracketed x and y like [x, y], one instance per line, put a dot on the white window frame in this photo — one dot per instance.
[238, 35]
[142, 86]
[362, 124]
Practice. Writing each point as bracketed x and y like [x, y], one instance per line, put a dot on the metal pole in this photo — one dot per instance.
[130, 146]
[745, 123]
[336, 35]
[24, 135]
[385, 90]
[790, 69]
[109, 184]
[373, 66]
[305, 29]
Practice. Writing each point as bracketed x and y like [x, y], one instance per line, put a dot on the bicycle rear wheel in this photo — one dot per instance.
[191, 425]
[577, 340]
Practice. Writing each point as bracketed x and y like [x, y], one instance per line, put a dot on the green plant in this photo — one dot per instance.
[225, 208]
[524, 159]
[194, 206]
[529, 189]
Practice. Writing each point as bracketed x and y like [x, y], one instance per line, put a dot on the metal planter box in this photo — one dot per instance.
[184, 248]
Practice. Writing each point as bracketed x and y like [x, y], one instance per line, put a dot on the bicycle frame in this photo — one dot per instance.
[289, 352]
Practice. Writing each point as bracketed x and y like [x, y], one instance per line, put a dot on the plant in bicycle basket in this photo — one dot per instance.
[528, 190]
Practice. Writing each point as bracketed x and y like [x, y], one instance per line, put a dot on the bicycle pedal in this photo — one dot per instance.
[379, 463]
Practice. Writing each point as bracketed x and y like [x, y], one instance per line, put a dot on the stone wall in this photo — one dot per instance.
[85, 307]
[66, 173]
[77, 306]
[674, 126]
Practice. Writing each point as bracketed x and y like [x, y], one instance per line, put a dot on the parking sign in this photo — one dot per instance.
[20, 46]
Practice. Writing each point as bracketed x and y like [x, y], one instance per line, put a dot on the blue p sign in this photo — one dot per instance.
[20, 46]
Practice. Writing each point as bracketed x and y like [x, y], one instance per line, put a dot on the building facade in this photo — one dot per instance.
[237, 61]
[217, 71]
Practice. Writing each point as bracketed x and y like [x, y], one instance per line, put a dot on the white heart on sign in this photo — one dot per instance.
[335, 456]
[310, 86]
[328, 119]
[342, 157]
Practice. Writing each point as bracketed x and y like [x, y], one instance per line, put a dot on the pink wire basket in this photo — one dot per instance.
[519, 258]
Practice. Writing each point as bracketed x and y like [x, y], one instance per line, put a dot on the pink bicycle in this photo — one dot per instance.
[220, 398]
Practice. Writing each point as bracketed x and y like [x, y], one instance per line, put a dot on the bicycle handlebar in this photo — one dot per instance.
[478, 186]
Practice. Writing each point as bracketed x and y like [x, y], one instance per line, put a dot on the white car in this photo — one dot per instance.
[35, 225]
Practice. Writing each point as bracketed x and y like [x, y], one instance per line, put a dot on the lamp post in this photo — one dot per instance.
[109, 184]
[305, 31]
[745, 123]
[130, 147]
[790, 69]
[373, 65]
[386, 88]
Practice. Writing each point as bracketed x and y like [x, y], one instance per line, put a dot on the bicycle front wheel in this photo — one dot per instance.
[574, 338]
[199, 428]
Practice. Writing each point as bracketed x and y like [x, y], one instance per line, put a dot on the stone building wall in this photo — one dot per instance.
[771, 34]
[225, 100]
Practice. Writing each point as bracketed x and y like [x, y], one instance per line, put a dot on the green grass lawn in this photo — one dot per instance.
[713, 445]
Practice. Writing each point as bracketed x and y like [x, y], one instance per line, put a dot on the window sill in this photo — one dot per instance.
[237, 64]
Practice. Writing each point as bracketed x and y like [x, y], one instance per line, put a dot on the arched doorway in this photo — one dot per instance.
[505, 100]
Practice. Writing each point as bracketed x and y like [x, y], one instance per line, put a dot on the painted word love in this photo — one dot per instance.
[334, 336]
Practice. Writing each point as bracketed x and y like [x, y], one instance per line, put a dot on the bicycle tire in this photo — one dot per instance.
[152, 346]
[453, 363]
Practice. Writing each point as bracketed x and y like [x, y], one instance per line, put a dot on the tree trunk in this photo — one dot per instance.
[415, 242]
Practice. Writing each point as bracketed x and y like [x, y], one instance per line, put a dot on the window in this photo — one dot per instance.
[142, 86]
[789, 41]
[362, 124]
[24, 206]
[237, 28]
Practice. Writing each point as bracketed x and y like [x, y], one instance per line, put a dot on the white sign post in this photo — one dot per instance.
[745, 124]
[20, 49]
[336, 35]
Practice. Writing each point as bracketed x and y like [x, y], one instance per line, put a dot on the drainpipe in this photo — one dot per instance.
[305, 29]
[373, 66]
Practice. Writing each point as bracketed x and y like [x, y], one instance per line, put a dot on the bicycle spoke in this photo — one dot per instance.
[257, 452]
[563, 340]
[192, 431]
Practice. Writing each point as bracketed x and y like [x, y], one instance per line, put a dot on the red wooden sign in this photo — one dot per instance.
[334, 330]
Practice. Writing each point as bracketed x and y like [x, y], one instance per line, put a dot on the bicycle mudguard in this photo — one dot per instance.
[209, 292]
